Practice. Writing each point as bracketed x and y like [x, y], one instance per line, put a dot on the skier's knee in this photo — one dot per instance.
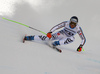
[69, 40]
[56, 43]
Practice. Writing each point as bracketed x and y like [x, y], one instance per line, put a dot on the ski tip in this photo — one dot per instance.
[60, 51]
[24, 38]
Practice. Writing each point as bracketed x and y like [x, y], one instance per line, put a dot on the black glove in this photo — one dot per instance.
[79, 49]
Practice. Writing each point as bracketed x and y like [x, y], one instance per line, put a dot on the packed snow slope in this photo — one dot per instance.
[36, 57]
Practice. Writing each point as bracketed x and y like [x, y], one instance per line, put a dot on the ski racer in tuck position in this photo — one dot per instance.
[64, 36]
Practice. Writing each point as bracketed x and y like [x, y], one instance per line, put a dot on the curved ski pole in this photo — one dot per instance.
[24, 25]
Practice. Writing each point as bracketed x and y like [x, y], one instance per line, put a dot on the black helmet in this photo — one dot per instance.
[74, 19]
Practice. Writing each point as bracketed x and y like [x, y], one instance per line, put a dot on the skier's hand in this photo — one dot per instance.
[79, 49]
[49, 34]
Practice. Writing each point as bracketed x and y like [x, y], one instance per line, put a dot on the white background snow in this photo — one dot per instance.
[37, 58]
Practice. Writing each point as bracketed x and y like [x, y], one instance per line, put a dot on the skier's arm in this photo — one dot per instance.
[57, 26]
[81, 34]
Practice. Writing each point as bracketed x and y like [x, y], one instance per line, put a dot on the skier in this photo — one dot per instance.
[64, 36]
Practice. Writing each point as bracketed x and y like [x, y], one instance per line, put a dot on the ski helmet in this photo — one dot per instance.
[74, 19]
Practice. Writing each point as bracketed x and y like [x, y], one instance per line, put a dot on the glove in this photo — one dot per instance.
[79, 49]
[49, 34]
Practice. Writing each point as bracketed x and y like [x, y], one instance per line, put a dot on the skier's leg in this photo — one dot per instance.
[63, 41]
[36, 37]
[40, 38]
[67, 40]
[56, 37]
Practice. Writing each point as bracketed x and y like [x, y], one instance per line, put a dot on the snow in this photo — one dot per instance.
[36, 57]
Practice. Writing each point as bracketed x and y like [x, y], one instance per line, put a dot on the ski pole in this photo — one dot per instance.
[24, 25]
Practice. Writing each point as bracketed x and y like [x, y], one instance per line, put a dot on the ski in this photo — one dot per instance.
[53, 47]
[24, 39]
[59, 50]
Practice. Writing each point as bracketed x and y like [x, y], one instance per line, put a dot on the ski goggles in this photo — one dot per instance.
[73, 20]
[73, 23]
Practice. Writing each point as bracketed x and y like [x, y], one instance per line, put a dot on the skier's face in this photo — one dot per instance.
[72, 24]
